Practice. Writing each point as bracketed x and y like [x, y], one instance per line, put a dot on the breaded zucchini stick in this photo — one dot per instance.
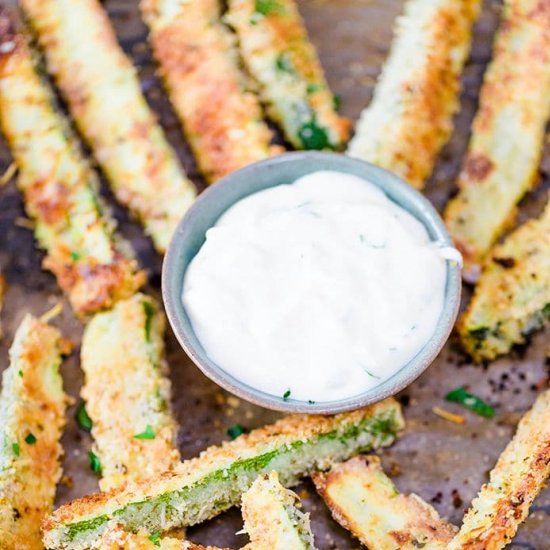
[273, 518]
[32, 417]
[507, 134]
[512, 297]
[211, 483]
[103, 93]
[279, 56]
[411, 115]
[198, 62]
[127, 392]
[517, 478]
[366, 502]
[60, 189]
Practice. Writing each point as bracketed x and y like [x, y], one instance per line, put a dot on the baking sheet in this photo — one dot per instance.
[442, 462]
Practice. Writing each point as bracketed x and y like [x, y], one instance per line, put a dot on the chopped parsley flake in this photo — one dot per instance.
[475, 404]
[148, 433]
[84, 421]
[313, 136]
[314, 87]
[155, 538]
[235, 431]
[286, 395]
[20, 373]
[336, 102]
[284, 64]
[75, 256]
[16, 449]
[30, 439]
[266, 7]
[95, 463]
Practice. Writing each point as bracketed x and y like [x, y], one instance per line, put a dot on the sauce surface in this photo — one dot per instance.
[316, 290]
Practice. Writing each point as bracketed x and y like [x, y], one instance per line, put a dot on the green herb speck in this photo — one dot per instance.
[313, 137]
[284, 64]
[95, 463]
[286, 395]
[16, 449]
[265, 7]
[336, 102]
[470, 401]
[314, 87]
[235, 431]
[82, 418]
[20, 373]
[30, 439]
[148, 433]
[75, 256]
[155, 538]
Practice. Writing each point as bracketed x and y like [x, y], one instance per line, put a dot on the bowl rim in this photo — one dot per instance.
[183, 331]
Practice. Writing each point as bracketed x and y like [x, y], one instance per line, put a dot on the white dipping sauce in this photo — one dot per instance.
[323, 288]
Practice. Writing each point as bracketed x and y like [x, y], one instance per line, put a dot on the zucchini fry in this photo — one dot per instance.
[507, 134]
[365, 501]
[279, 56]
[410, 117]
[512, 297]
[518, 476]
[127, 392]
[273, 518]
[198, 62]
[91, 265]
[205, 486]
[32, 417]
[104, 96]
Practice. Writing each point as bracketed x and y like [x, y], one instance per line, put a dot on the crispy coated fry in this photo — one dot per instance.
[366, 502]
[32, 417]
[104, 96]
[127, 392]
[198, 62]
[410, 116]
[206, 486]
[273, 517]
[278, 54]
[507, 134]
[517, 478]
[512, 298]
[92, 266]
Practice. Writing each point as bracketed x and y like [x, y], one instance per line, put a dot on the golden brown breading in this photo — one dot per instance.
[104, 96]
[117, 539]
[512, 298]
[410, 117]
[273, 518]
[32, 417]
[60, 190]
[517, 478]
[366, 502]
[127, 392]
[507, 133]
[209, 484]
[279, 56]
[198, 62]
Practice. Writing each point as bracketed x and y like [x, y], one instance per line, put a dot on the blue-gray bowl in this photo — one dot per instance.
[190, 235]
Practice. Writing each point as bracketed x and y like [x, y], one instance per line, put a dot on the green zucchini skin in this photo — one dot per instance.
[203, 487]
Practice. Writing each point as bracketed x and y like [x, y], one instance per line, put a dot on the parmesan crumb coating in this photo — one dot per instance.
[104, 96]
[273, 518]
[512, 297]
[127, 392]
[198, 62]
[93, 267]
[32, 417]
[517, 478]
[365, 501]
[507, 133]
[281, 59]
[411, 114]
[205, 486]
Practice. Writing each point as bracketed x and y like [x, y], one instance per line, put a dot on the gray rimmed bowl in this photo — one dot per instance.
[190, 235]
